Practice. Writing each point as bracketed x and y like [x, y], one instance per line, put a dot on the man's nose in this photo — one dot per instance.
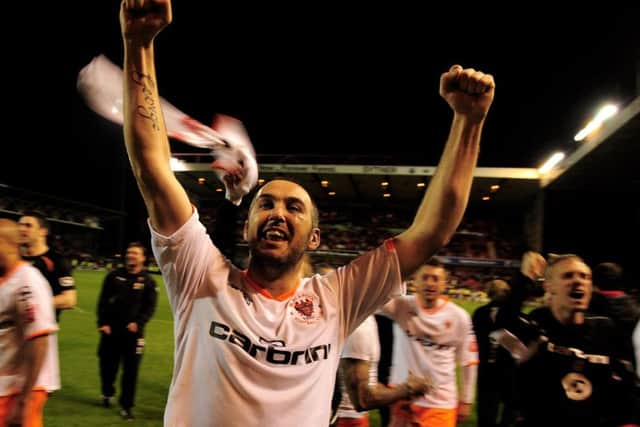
[277, 213]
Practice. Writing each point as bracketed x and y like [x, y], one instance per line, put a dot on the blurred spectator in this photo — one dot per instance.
[34, 229]
[610, 300]
[497, 369]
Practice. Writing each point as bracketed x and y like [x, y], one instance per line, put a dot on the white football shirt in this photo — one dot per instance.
[245, 358]
[431, 342]
[362, 344]
[26, 312]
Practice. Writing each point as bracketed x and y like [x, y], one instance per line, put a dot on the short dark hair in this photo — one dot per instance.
[138, 245]
[553, 259]
[39, 216]
[435, 262]
[607, 276]
[496, 288]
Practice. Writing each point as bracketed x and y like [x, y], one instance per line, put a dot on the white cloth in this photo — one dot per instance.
[362, 344]
[26, 312]
[431, 343]
[245, 358]
[100, 84]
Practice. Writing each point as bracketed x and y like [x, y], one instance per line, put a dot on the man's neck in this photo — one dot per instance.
[10, 263]
[134, 270]
[567, 316]
[429, 304]
[276, 281]
[36, 249]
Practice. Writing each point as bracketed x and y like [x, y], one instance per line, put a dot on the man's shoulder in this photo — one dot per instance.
[624, 309]
[29, 272]
[483, 310]
[540, 313]
[117, 272]
[455, 308]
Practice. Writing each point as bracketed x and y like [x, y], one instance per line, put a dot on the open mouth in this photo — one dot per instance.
[275, 235]
[576, 294]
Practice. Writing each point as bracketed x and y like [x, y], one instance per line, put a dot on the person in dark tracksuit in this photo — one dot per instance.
[127, 302]
[497, 369]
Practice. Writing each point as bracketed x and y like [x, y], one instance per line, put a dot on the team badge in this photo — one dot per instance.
[305, 308]
[577, 386]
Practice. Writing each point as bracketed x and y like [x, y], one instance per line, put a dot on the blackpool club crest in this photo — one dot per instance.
[305, 308]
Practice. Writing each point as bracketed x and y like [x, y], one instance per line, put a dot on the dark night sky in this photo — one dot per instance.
[341, 81]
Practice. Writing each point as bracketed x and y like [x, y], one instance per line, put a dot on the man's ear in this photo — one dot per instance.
[546, 285]
[314, 239]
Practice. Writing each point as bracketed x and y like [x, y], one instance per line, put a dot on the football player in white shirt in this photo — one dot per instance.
[361, 391]
[431, 336]
[261, 346]
[28, 345]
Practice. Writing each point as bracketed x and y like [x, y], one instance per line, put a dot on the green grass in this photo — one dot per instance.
[78, 402]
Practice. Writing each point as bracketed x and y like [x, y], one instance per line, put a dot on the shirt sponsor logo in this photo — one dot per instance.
[7, 324]
[305, 308]
[25, 298]
[426, 341]
[577, 386]
[275, 343]
[274, 353]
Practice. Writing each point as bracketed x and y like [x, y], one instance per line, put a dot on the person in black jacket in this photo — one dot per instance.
[497, 369]
[570, 371]
[610, 300]
[34, 230]
[127, 302]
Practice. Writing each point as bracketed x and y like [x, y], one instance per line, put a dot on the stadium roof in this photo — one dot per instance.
[606, 161]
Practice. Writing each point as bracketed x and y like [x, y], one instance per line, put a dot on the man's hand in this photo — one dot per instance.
[468, 92]
[132, 327]
[105, 329]
[16, 413]
[464, 410]
[533, 265]
[142, 20]
[418, 386]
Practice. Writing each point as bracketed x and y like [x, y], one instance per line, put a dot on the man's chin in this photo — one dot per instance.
[274, 256]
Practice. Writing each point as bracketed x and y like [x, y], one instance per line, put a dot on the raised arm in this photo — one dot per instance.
[144, 128]
[469, 93]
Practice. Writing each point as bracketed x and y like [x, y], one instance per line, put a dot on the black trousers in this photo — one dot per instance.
[120, 346]
[385, 335]
[496, 391]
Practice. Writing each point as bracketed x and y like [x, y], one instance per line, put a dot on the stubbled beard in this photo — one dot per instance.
[274, 265]
[262, 260]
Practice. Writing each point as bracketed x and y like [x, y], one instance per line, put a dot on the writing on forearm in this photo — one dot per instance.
[148, 110]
